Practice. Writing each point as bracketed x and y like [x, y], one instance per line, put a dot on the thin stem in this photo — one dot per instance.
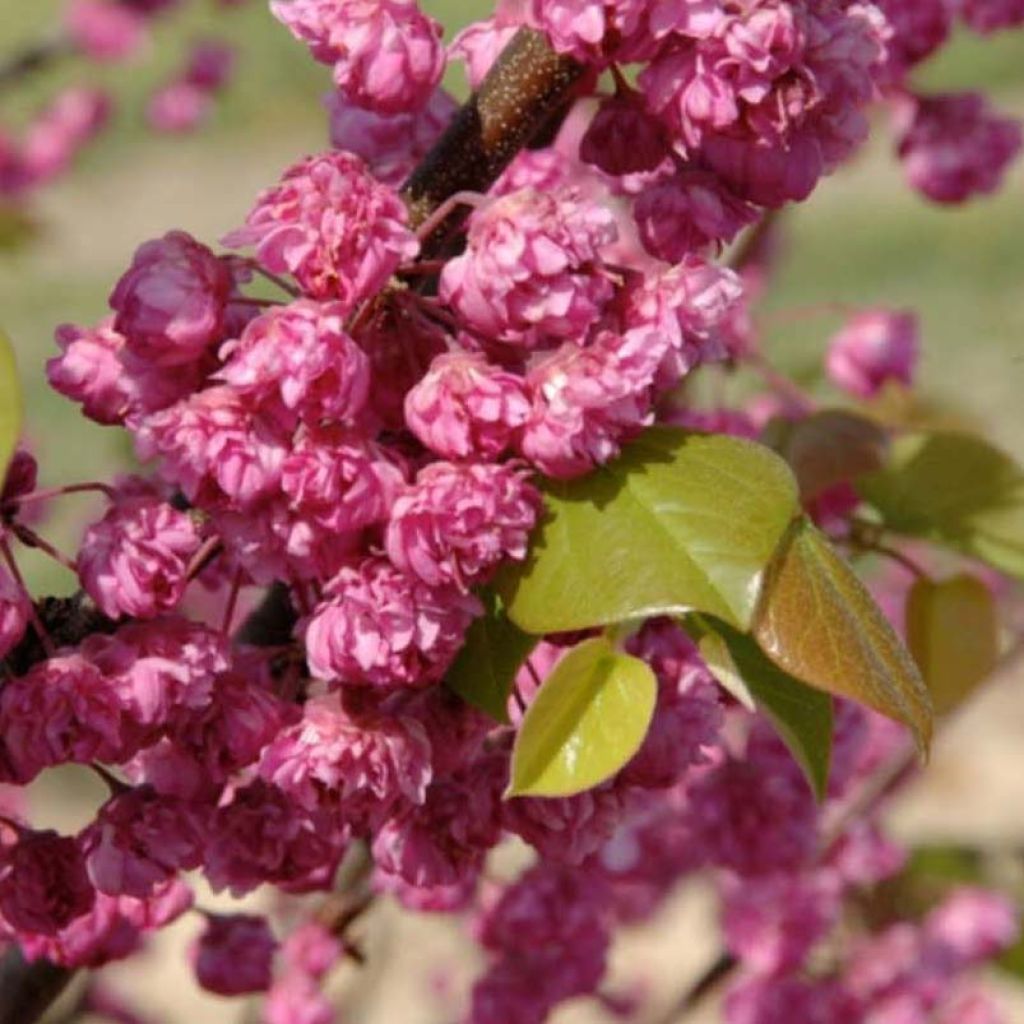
[445, 210]
[31, 539]
[204, 557]
[59, 492]
[273, 278]
[780, 383]
[37, 623]
[229, 611]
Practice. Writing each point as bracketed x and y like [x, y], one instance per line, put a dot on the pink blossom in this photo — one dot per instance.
[789, 999]
[479, 45]
[623, 138]
[43, 883]
[312, 950]
[19, 479]
[687, 214]
[991, 15]
[338, 230]
[178, 107]
[141, 840]
[973, 925]
[387, 55]
[392, 145]
[105, 30]
[210, 64]
[89, 371]
[457, 524]
[359, 764]
[588, 401]
[15, 611]
[954, 146]
[455, 729]
[466, 406]
[62, 710]
[302, 354]
[55, 137]
[234, 955]
[918, 28]
[134, 560]
[379, 627]
[530, 274]
[873, 348]
[170, 304]
[588, 30]
[297, 999]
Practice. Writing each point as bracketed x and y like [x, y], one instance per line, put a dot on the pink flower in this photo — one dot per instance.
[991, 15]
[387, 55]
[15, 612]
[54, 139]
[210, 65]
[589, 30]
[873, 348]
[64, 710]
[479, 45]
[918, 28]
[954, 146]
[379, 627]
[178, 107]
[530, 274]
[171, 302]
[338, 230]
[90, 372]
[359, 765]
[457, 524]
[297, 999]
[689, 213]
[43, 883]
[134, 560]
[140, 840]
[787, 999]
[587, 402]
[973, 925]
[624, 139]
[302, 354]
[392, 145]
[466, 406]
[234, 955]
[312, 950]
[105, 30]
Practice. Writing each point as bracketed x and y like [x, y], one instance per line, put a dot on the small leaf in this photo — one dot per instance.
[829, 448]
[956, 490]
[817, 621]
[801, 716]
[588, 719]
[953, 633]
[679, 522]
[11, 408]
[485, 670]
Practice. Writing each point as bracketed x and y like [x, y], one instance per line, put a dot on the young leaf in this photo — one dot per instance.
[11, 409]
[953, 633]
[680, 522]
[486, 667]
[957, 490]
[817, 621]
[829, 448]
[587, 720]
[801, 716]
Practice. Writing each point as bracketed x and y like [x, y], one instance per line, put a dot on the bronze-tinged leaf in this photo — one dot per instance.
[817, 621]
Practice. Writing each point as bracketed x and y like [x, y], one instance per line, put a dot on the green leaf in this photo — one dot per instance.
[11, 408]
[829, 448]
[679, 522]
[801, 716]
[486, 667]
[956, 490]
[588, 719]
[953, 633]
[817, 621]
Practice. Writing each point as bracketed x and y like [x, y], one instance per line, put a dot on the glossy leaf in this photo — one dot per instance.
[11, 408]
[829, 448]
[953, 633]
[957, 490]
[485, 670]
[679, 522]
[817, 621]
[588, 719]
[801, 716]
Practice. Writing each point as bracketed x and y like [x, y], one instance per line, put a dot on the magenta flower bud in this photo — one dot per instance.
[623, 138]
[105, 30]
[992, 15]
[873, 348]
[55, 138]
[178, 107]
[234, 955]
[15, 612]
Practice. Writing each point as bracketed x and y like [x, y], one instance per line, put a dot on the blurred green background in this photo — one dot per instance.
[864, 239]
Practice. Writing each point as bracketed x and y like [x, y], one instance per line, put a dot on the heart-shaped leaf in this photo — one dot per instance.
[679, 522]
[817, 621]
[588, 719]
[957, 490]
[801, 716]
[953, 633]
[11, 408]
[485, 670]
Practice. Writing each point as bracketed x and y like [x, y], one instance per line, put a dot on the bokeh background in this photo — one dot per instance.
[864, 239]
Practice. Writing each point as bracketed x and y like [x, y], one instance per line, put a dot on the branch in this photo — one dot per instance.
[526, 94]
